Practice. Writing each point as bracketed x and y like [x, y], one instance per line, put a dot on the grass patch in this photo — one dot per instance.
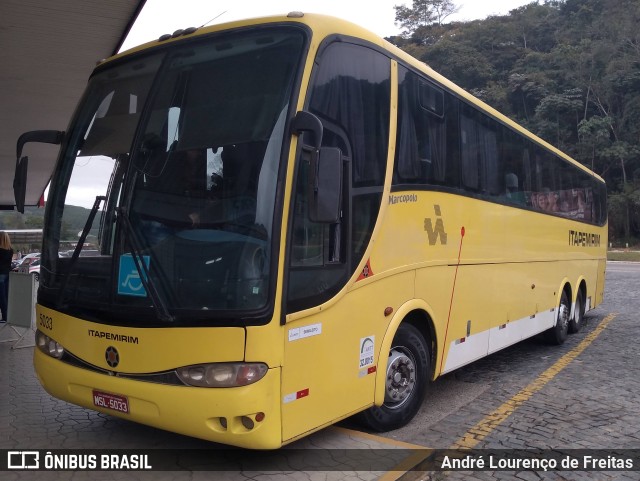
[633, 256]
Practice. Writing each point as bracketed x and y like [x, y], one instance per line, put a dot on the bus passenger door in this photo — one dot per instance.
[320, 352]
[350, 94]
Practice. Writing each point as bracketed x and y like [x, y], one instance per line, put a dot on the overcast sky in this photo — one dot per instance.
[165, 16]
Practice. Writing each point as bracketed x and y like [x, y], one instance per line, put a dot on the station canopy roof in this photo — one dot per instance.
[25, 236]
[49, 48]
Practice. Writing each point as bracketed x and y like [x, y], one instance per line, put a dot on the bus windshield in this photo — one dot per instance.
[182, 150]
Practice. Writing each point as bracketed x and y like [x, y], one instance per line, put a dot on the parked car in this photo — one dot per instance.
[34, 269]
[26, 260]
[83, 253]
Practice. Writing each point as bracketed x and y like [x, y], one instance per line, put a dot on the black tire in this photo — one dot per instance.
[576, 323]
[406, 381]
[558, 333]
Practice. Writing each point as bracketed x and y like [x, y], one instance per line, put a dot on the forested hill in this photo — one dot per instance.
[33, 218]
[567, 70]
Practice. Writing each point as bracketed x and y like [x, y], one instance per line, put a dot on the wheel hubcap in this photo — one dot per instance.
[401, 378]
[563, 315]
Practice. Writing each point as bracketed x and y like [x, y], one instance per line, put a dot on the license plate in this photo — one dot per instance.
[111, 401]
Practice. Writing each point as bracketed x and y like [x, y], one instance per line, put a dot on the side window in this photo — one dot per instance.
[479, 153]
[442, 141]
[351, 91]
[514, 160]
[560, 188]
[426, 116]
[350, 94]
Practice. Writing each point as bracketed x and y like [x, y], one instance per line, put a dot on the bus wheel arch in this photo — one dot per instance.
[577, 319]
[403, 374]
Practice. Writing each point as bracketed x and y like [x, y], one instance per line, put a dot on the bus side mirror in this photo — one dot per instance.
[307, 122]
[22, 163]
[325, 186]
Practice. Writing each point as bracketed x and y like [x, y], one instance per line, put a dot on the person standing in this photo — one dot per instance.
[6, 254]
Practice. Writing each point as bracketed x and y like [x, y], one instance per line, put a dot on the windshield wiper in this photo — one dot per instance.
[157, 300]
[79, 245]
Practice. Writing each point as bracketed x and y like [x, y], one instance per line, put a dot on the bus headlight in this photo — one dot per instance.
[226, 374]
[48, 345]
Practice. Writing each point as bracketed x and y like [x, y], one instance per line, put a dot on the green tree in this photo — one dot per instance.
[423, 12]
[624, 214]
[560, 115]
[460, 62]
[594, 135]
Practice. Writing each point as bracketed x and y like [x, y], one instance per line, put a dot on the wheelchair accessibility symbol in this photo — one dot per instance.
[129, 282]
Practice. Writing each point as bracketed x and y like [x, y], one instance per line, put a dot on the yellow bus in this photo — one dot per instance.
[296, 223]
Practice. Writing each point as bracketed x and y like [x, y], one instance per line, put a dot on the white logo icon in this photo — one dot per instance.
[23, 460]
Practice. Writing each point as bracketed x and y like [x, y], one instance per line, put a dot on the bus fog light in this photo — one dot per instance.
[247, 422]
[49, 346]
[231, 374]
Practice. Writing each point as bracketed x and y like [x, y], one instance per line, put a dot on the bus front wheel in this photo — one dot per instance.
[405, 381]
[558, 333]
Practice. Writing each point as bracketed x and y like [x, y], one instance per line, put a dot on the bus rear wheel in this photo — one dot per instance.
[405, 382]
[558, 333]
[577, 322]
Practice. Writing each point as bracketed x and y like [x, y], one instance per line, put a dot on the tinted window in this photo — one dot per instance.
[350, 93]
[442, 141]
[426, 143]
[192, 143]
[479, 153]
[351, 89]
